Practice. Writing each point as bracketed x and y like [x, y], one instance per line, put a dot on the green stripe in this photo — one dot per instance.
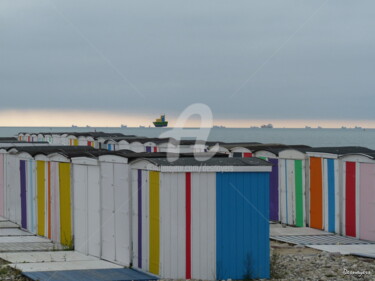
[299, 192]
[264, 158]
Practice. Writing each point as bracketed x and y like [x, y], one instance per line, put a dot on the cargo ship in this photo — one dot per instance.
[161, 122]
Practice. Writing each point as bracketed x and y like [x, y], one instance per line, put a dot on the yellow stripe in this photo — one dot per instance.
[154, 223]
[41, 196]
[76, 142]
[65, 206]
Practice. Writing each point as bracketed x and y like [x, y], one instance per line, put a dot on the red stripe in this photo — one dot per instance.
[350, 220]
[155, 149]
[188, 225]
[247, 154]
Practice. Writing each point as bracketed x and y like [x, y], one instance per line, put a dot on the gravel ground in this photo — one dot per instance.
[288, 262]
[8, 273]
[291, 262]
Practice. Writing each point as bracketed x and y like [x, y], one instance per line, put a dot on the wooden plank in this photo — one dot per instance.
[107, 212]
[93, 210]
[122, 213]
[80, 208]
[181, 226]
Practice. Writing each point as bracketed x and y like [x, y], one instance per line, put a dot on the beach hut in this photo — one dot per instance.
[73, 141]
[358, 196]
[237, 149]
[274, 193]
[201, 220]
[27, 191]
[242, 152]
[17, 188]
[293, 168]
[136, 145]
[115, 209]
[111, 145]
[326, 187]
[151, 146]
[40, 137]
[86, 198]
[12, 188]
[102, 207]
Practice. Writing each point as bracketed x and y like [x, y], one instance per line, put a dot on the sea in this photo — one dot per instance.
[308, 136]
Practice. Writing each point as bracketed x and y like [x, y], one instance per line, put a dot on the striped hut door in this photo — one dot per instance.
[154, 222]
[23, 194]
[290, 192]
[316, 193]
[298, 174]
[32, 196]
[274, 190]
[350, 205]
[65, 205]
[367, 202]
[41, 197]
[331, 195]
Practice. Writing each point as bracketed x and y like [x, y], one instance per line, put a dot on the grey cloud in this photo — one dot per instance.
[180, 52]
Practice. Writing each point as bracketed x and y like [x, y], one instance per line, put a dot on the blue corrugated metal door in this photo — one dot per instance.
[242, 202]
[331, 195]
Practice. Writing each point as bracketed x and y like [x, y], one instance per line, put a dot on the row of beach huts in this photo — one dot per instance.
[185, 219]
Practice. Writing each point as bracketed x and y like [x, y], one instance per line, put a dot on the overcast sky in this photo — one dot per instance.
[248, 60]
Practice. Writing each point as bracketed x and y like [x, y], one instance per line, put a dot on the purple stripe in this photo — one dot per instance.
[274, 190]
[23, 194]
[139, 218]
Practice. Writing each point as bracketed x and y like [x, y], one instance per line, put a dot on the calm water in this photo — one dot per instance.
[312, 137]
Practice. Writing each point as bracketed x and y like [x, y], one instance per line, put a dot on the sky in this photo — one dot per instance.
[106, 63]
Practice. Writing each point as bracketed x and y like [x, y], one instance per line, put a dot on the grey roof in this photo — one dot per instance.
[341, 150]
[139, 139]
[134, 155]
[190, 161]
[85, 134]
[16, 141]
[276, 149]
[34, 150]
[230, 145]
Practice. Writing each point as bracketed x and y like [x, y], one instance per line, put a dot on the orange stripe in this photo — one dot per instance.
[49, 200]
[316, 193]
